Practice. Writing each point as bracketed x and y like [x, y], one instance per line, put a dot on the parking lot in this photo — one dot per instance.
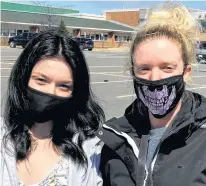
[110, 79]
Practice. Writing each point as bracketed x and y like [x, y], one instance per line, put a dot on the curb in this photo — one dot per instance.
[111, 49]
[19, 47]
[4, 47]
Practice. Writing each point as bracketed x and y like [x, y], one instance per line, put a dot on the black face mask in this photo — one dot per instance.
[44, 107]
[161, 96]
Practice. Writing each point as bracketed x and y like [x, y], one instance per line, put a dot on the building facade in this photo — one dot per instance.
[114, 28]
[18, 18]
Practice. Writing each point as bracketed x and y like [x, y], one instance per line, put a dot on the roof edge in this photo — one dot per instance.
[75, 27]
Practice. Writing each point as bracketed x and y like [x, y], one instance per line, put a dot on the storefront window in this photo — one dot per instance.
[88, 36]
[19, 32]
[5, 32]
[12, 32]
[105, 37]
[122, 38]
[97, 37]
[116, 38]
[101, 37]
[92, 36]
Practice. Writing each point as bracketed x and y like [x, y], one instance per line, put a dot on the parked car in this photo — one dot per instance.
[84, 43]
[21, 39]
[201, 52]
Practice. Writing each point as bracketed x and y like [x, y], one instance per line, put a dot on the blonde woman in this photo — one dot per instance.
[160, 141]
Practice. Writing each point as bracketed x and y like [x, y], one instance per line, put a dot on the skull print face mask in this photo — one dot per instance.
[161, 96]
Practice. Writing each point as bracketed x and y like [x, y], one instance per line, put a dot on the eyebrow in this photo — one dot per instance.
[169, 62]
[163, 63]
[66, 82]
[46, 77]
[40, 74]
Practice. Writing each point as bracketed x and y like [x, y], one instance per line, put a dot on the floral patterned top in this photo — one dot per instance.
[57, 177]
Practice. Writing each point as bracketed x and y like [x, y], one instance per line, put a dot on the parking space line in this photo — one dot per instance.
[7, 63]
[105, 66]
[102, 82]
[89, 66]
[198, 76]
[203, 87]
[131, 95]
[9, 56]
[5, 68]
[109, 72]
[5, 60]
[99, 73]
[112, 57]
[194, 84]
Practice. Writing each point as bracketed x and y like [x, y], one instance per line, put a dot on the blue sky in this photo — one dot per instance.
[97, 7]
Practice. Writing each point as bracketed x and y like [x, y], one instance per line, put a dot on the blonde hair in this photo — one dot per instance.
[173, 21]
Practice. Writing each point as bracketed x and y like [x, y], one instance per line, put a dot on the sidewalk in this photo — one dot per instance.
[120, 49]
[4, 47]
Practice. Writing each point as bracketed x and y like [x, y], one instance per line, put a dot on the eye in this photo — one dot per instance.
[40, 80]
[65, 87]
[141, 70]
[169, 68]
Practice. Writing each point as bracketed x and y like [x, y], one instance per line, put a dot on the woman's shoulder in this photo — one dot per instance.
[91, 175]
[92, 146]
[6, 145]
[2, 128]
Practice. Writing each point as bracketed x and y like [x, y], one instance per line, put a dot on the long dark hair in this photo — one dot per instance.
[86, 115]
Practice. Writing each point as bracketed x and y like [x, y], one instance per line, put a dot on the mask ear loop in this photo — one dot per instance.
[142, 109]
[131, 69]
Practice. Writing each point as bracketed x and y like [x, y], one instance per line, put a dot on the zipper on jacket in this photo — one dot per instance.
[155, 155]
[142, 173]
[134, 148]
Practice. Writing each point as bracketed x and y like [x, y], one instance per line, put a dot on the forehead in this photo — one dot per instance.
[157, 50]
[53, 67]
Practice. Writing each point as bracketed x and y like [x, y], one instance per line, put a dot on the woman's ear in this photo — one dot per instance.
[187, 73]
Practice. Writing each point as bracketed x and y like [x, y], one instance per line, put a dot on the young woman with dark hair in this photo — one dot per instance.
[47, 133]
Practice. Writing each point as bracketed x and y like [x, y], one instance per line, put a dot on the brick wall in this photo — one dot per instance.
[4, 41]
[130, 18]
[203, 37]
[106, 44]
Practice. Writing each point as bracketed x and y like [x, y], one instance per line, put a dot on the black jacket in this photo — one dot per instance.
[181, 156]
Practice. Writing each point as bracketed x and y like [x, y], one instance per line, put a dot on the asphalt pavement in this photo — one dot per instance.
[110, 79]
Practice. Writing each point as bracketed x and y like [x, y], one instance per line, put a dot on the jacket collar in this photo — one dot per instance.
[192, 113]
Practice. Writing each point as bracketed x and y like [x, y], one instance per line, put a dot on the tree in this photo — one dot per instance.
[50, 15]
[43, 5]
[62, 26]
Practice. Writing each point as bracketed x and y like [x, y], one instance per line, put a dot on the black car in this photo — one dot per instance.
[84, 43]
[21, 39]
[201, 52]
